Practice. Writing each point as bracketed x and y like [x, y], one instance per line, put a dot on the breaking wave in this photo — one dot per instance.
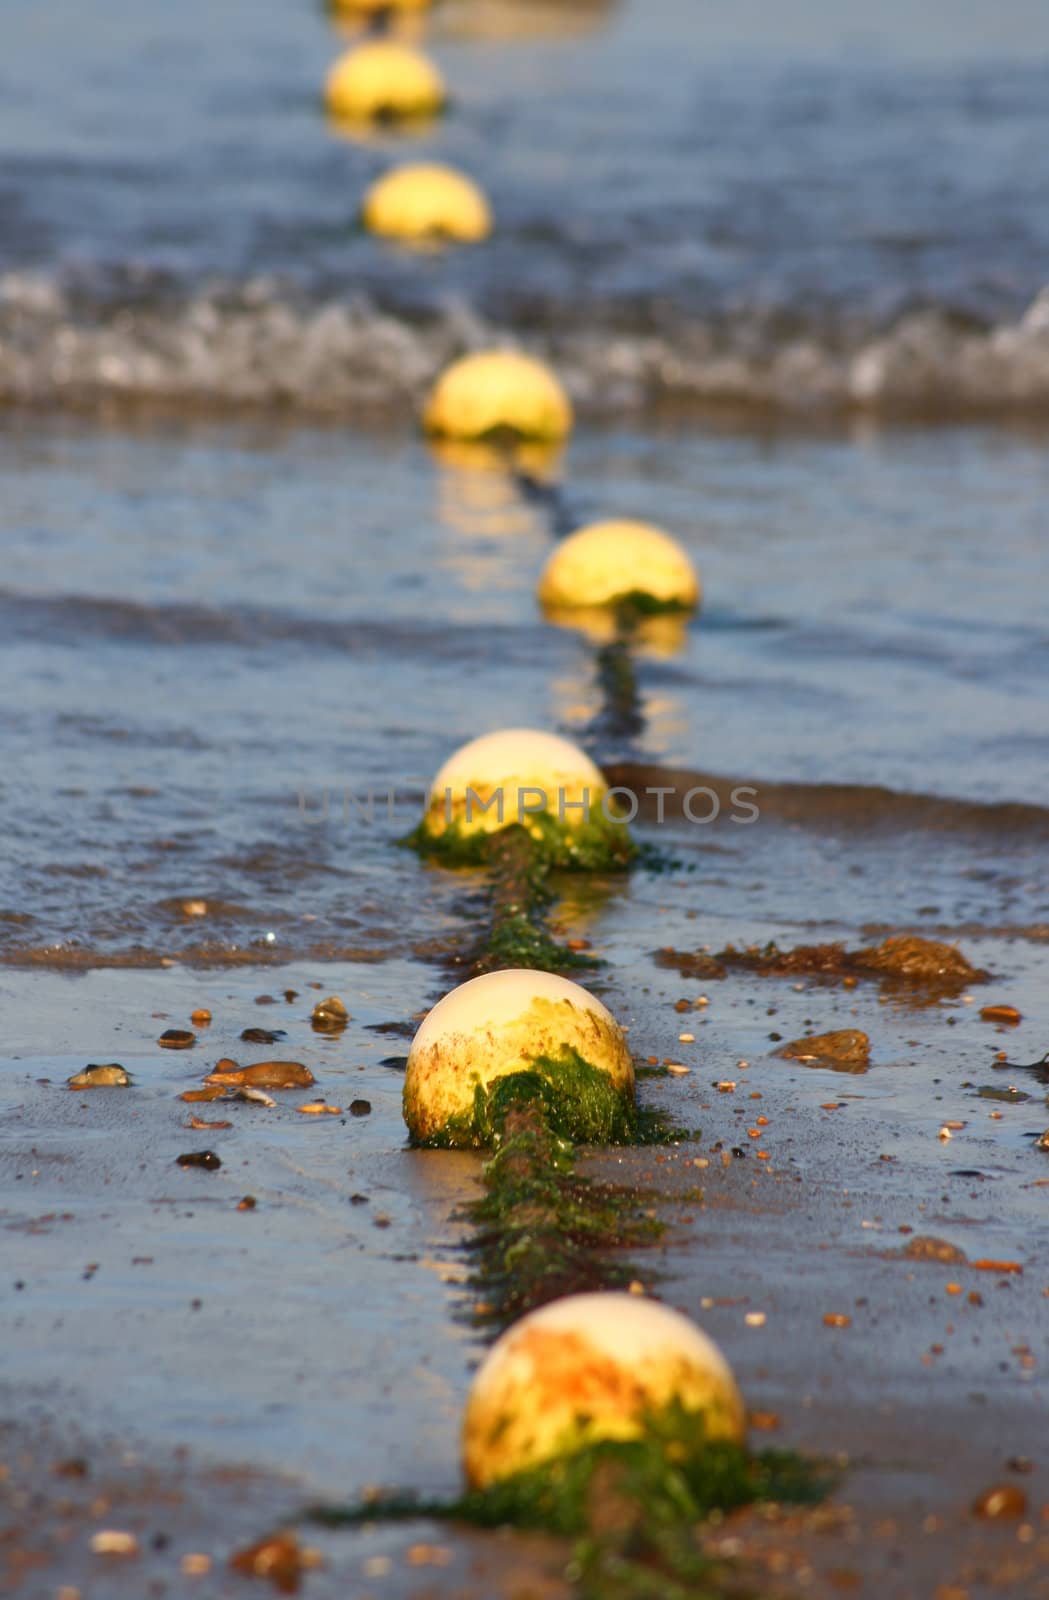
[264, 344]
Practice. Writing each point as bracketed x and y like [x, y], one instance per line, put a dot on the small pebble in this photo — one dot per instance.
[254, 1097]
[177, 1039]
[1007, 1014]
[108, 1075]
[429, 1555]
[114, 1542]
[201, 1016]
[200, 1158]
[360, 1108]
[1005, 1500]
[329, 1016]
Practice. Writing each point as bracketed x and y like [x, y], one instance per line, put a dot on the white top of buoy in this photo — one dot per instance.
[500, 997]
[519, 756]
[626, 1327]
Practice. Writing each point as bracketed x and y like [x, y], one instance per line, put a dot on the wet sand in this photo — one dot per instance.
[209, 627]
[326, 1343]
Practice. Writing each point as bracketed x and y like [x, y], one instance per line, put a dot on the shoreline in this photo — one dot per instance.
[816, 1230]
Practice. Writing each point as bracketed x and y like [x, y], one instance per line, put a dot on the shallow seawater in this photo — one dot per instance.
[235, 658]
[820, 214]
[241, 628]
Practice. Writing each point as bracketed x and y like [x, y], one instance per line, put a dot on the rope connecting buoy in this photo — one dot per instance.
[383, 80]
[587, 1368]
[505, 1023]
[426, 201]
[498, 392]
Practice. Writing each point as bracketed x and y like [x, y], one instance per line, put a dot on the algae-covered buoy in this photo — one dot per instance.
[517, 1021]
[519, 775]
[427, 201]
[593, 1367]
[496, 392]
[612, 563]
[383, 79]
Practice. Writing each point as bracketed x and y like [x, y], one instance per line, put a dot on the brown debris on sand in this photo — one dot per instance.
[279, 1558]
[847, 1050]
[904, 964]
[927, 1247]
[263, 1075]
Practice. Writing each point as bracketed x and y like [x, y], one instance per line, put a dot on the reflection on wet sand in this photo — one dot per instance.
[507, 20]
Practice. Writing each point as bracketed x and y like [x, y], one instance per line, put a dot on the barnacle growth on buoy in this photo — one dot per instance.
[383, 80]
[498, 393]
[564, 1050]
[587, 1368]
[426, 202]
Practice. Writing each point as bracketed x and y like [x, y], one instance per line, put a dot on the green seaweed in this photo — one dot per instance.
[634, 605]
[520, 864]
[520, 940]
[541, 1230]
[634, 1507]
[577, 1101]
[598, 844]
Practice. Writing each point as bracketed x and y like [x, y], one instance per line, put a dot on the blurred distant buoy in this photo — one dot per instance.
[427, 201]
[383, 80]
[516, 775]
[593, 1367]
[609, 563]
[372, 8]
[498, 392]
[505, 1022]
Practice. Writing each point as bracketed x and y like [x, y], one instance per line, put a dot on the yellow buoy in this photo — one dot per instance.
[501, 1023]
[383, 79]
[516, 775]
[498, 391]
[608, 562]
[592, 1367]
[427, 201]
